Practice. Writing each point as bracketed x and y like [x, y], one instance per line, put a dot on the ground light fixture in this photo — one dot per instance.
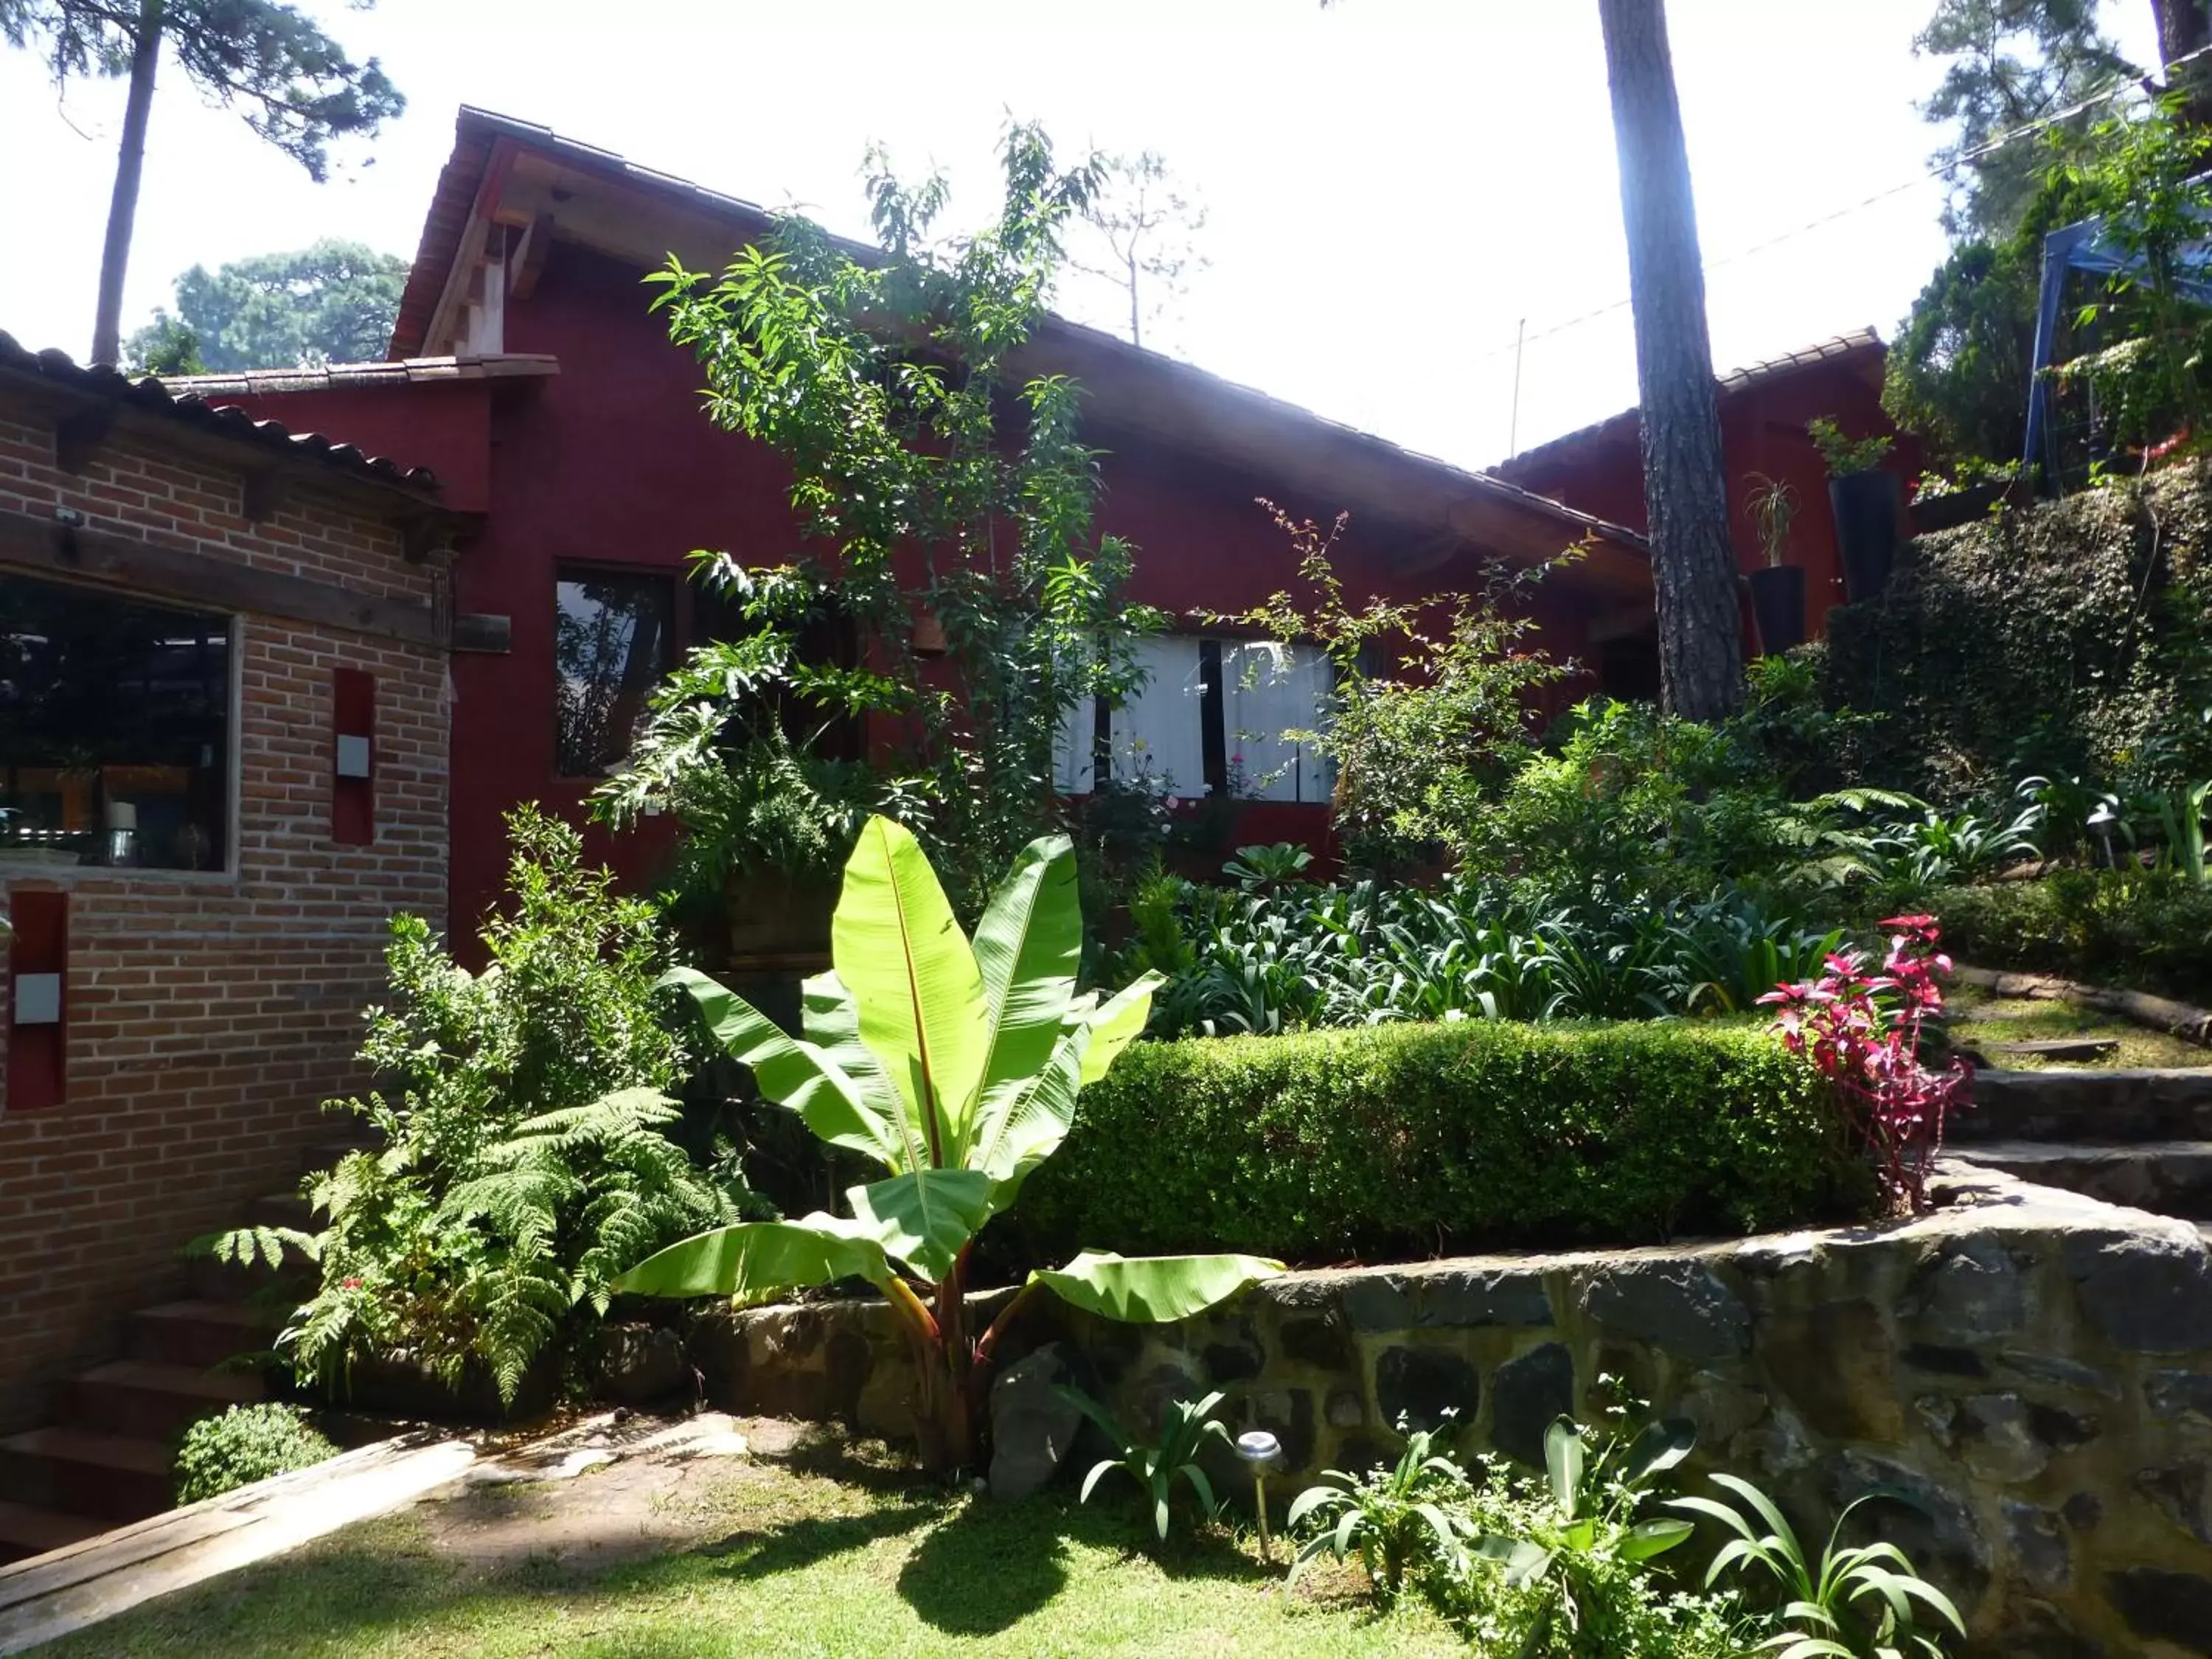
[1262, 1451]
[2101, 821]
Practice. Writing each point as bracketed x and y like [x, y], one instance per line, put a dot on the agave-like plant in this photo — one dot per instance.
[1854, 1603]
[1185, 1427]
[955, 1066]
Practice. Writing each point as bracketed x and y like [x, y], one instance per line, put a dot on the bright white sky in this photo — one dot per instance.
[1393, 183]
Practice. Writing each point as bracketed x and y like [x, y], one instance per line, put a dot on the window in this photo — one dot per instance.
[1268, 689]
[612, 643]
[114, 730]
[1211, 718]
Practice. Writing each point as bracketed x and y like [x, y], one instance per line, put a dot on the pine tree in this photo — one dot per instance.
[295, 85]
[1684, 488]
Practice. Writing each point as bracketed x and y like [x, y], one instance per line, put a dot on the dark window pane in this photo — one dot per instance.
[114, 738]
[611, 647]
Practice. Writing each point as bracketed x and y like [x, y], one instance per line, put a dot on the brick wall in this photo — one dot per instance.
[209, 1014]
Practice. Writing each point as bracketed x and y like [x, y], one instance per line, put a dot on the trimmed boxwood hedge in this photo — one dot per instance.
[1421, 1139]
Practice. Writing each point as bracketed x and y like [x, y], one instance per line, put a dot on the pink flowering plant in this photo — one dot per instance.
[1863, 1029]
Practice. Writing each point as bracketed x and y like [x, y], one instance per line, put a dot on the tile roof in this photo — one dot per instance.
[1859, 340]
[469, 172]
[149, 395]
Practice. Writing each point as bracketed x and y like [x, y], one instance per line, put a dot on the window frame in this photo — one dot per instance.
[230, 871]
[679, 640]
[1216, 739]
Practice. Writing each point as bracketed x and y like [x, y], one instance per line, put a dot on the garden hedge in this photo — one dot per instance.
[1411, 1140]
[2062, 635]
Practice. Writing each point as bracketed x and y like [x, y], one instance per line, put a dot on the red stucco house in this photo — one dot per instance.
[527, 373]
[1764, 409]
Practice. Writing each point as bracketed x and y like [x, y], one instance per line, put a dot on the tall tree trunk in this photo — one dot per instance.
[123, 206]
[2185, 26]
[1685, 487]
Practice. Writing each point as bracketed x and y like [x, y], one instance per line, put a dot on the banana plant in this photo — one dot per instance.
[955, 1066]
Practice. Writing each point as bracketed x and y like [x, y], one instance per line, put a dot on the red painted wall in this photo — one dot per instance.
[1762, 431]
[610, 463]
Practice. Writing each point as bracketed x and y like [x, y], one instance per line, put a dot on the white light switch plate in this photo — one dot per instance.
[353, 757]
[38, 999]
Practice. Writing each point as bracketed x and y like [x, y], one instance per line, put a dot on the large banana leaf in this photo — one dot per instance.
[1018, 1130]
[1027, 947]
[914, 979]
[925, 1216]
[1117, 1024]
[761, 1255]
[1151, 1289]
[795, 1074]
[833, 1024]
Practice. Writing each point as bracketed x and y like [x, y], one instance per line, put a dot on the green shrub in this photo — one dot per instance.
[2073, 636]
[523, 1155]
[1295, 957]
[2140, 930]
[1420, 1138]
[247, 1443]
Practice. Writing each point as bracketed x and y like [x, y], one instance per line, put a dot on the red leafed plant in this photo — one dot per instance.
[1863, 1029]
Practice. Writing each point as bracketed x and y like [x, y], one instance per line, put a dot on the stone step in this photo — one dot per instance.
[111, 1477]
[199, 1334]
[2071, 1050]
[2166, 1177]
[2113, 1106]
[149, 1400]
[211, 1280]
[26, 1531]
[281, 1210]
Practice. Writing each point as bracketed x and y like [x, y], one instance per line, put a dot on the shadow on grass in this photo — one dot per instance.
[792, 1545]
[990, 1565]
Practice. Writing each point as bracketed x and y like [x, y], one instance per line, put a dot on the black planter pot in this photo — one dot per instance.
[1870, 524]
[1777, 600]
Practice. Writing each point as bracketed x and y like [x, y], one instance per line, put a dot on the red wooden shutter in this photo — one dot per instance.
[37, 1000]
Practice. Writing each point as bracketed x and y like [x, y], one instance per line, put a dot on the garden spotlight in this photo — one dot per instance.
[2101, 821]
[1260, 1450]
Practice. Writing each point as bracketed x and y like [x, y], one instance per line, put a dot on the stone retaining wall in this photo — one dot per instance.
[2031, 1371]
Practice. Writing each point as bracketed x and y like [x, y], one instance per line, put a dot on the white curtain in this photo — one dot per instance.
[1160, 731]
[1269, 688]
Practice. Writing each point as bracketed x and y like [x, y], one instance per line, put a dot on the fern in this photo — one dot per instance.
[248, 1245]
[521, 1159]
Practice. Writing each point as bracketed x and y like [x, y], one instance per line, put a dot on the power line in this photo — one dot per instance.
[1964, 158]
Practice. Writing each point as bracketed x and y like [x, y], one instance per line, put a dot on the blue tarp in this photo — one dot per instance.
[2082, 247]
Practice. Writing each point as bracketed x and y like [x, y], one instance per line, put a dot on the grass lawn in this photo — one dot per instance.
[813, 1555]
[1976, 1018]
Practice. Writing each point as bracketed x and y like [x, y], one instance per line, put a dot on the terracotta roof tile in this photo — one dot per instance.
[149, 395]
[1735, 381]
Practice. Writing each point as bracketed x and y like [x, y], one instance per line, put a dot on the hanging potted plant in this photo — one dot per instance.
[1868, 503]
[1777, 590]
